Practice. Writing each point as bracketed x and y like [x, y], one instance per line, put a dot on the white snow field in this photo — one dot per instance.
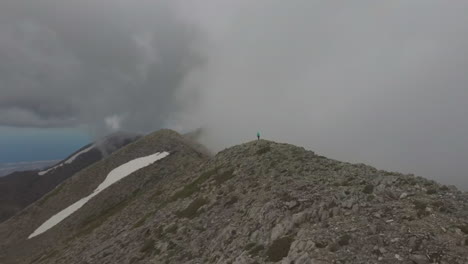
[68, 161]
[114, 176]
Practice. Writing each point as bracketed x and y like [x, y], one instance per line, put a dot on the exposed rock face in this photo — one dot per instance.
[20, 189]
[260, 202]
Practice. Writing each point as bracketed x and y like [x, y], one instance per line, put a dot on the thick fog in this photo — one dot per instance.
[383, 83]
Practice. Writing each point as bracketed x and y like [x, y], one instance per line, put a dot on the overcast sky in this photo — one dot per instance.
[382, 83]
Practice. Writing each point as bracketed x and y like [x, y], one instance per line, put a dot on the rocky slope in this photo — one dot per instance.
[20, 189]
[259, 202]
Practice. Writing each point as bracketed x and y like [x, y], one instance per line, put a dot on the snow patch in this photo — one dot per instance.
[41, 173]
[114, 176]
[8, 168]
[72, 158]
[68, 161]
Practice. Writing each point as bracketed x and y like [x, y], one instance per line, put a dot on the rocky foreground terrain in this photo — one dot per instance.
[259, 202]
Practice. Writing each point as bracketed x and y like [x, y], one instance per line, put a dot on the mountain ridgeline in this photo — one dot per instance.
[258, 202]
[20, 189]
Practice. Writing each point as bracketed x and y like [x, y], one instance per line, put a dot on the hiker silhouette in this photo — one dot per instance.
[258, 135]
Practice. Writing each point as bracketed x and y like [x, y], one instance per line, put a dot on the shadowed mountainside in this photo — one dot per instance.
[9, 168]
[20, 189]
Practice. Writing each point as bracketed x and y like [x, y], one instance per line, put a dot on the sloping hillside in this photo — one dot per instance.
[9, 168]
[20, 189]
[16, 248]
[259, 202]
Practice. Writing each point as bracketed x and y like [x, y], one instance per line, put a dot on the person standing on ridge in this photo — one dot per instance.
[258, 135]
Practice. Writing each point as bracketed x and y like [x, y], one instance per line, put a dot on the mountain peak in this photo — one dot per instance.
[257, 202]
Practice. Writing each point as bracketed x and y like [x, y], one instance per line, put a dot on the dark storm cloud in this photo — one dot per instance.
[66, 63]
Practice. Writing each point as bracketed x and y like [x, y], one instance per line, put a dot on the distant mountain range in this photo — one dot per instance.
[21, 188]
[8, 168]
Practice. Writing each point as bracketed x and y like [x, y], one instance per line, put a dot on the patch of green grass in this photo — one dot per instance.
[187, 191]
[187, 256]
[231, 201]
[256, 249]
[344, 240]
[200, 228]
[333, 247]
[419, 205]
[368, 189]
[49, 195]
[250, 246]
[49, 255]
[35, 260]
[148, 246]
[422, 213]
[158, 232]
[321, 244]
[464, 228]
[444, 188]
[172, 229]
[160, 204]
[437, 204]
[95, 221]
[225, 176]
[156, 194]
[332, 204]
[264, 150]
[193, 187]
[428, 183]
[191, 210]
[141, 221]
[171, 245]
[279, 248]
[431, 191]
[285, 197]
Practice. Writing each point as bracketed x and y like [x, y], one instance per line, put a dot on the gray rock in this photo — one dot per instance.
[281, 229]
[419, 259]
[300, 218]
[292, 204]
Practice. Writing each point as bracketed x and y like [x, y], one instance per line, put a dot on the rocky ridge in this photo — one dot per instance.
[259, 202]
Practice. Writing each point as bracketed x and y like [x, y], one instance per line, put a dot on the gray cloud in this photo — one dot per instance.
[382, 83]
[376, 82]
[66, 63]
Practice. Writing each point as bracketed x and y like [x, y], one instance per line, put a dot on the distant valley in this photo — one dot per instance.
[8, 168]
